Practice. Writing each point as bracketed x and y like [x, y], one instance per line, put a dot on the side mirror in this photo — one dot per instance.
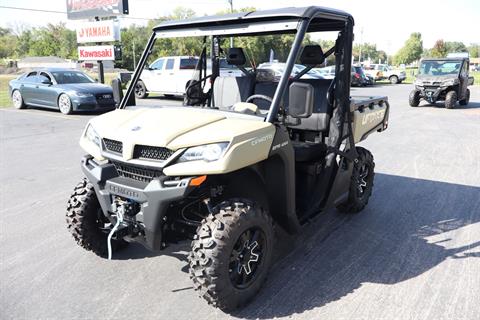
[300, 100]
[46, 81]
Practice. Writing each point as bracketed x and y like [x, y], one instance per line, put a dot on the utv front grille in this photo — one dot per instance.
[135, 172]
[151, 153]
[113, 146]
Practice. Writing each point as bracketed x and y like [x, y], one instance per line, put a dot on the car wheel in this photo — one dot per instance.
[17, 100]
[451, 100]
[466, 100]
[65, 104]
[231, 254]
[141, 90]
[414, 98]
[361, 183]
[393, 80]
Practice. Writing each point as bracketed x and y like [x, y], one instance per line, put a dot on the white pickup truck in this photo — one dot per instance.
[169, 75]
[393, 75]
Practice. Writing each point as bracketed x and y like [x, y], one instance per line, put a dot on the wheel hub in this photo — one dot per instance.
[362, 179]
[246, 257]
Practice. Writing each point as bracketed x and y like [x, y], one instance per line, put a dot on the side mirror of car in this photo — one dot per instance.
[46, 81]
[300, 101]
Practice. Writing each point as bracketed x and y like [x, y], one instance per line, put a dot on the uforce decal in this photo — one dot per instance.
[373, 116]
[258, 140]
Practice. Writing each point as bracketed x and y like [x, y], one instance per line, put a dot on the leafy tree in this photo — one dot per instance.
[7, 43]
[411, 51]
[474, 50]
[455, 46]
[439, 49]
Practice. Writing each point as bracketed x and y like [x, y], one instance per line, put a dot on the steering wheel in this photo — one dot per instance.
[259, 96]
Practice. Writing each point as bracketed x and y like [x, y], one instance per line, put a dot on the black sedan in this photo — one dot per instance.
[63, 89]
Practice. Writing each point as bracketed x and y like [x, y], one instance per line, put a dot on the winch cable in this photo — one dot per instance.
[119, 216]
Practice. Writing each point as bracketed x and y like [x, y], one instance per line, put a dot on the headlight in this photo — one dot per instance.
[92, 135]
[449, 82]
[418, 82]
[83, 94]
[208, 152]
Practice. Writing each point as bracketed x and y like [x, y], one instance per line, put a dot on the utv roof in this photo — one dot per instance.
[322, 19]
[445, 59]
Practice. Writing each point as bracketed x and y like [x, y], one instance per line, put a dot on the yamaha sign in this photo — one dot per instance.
[98, 31]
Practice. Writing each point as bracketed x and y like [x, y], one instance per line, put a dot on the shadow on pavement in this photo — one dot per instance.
[389, 242]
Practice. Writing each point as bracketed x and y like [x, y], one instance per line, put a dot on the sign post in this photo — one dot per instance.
[97, 31]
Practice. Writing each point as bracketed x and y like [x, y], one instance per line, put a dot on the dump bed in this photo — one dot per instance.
[369, 114]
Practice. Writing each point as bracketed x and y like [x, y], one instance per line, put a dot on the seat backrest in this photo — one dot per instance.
[229, 90]
[322, 109]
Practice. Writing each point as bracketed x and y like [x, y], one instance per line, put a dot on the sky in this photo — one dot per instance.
[386, 23]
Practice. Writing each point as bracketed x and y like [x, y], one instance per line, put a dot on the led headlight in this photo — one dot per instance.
[83, 94]
[208, 152]
[92, 136]
[449, 82]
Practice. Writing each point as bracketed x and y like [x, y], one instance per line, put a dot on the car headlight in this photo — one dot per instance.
[92, 136]
[418, 82]
[83, 94]
[208, 152]
[449, 82]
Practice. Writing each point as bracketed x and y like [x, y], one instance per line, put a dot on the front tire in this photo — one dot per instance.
[65, 104]
[361, 183]
[85, 221]
[414, 98]
[393, 80]
[140, 90]
[466, 100]
[17, 100]
[231, 254]
[451, 100]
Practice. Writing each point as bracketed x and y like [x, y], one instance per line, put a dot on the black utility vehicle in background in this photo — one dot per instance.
[442, 79]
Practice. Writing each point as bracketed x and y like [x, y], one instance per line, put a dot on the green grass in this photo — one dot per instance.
[5, 100]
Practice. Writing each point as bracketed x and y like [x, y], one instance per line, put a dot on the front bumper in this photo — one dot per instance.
[153, 199]
[92, 104]
[430, 94]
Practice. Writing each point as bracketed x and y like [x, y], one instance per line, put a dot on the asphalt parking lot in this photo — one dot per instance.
[413, 253]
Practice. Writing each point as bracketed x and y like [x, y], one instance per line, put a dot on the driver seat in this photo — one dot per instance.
[229, 90]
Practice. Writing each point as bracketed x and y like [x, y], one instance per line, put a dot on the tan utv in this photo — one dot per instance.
[242, 155]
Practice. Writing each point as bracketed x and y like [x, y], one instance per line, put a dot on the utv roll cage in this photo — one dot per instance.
[296, 21]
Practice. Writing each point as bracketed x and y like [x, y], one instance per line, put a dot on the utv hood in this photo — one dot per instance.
[430, 79]
[175, 127]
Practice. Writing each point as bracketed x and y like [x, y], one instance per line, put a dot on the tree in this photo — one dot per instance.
[7, 43]
[439, 49]
[455, 46]
[474, 50]
[411, 51]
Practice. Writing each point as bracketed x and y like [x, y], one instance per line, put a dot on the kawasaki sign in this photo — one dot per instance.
[96, 53]
[85, 9]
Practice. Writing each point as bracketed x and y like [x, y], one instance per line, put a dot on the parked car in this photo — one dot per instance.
[169, 75]
[376, 75]
[279, 67]
[329, 73]
[393, 75]
[64, 89]
[366, 79]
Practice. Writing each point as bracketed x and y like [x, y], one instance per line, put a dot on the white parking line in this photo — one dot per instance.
[41, 113]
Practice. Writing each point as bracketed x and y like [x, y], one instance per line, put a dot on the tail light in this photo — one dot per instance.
[357, 76]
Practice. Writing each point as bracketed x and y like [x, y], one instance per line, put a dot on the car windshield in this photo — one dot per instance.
[65, 77]
[440, 68]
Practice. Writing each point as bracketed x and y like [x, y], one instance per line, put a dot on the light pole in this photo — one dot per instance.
[231, 11]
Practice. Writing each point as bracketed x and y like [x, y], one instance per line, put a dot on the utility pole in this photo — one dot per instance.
[231, 11]
[134, 62]
[360, 54]
[101, 75]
